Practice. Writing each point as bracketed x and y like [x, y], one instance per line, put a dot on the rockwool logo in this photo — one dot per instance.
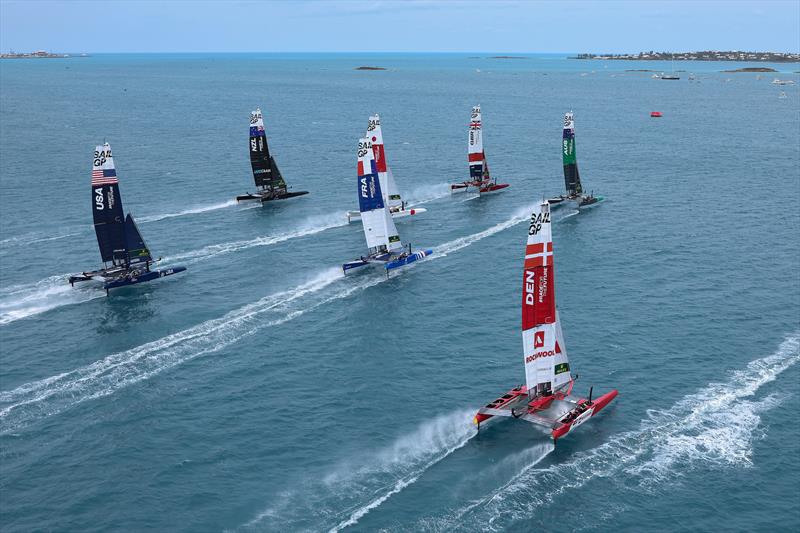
[538, 339]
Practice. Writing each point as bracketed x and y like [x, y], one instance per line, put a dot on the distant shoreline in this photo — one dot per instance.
[41, 54]
[706, 55]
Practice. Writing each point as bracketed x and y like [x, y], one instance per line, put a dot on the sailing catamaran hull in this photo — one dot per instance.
[267, 198]
[141, 278]
[375, 259]
[560, 412]
[388, 260]
[356, 215]
[464, 187]
[582, 412]
[493, 188]
[576, 203]
[407, 260]
[116, 277]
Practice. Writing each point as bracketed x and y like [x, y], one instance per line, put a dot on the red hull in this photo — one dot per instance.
[492, 188]
[595, 407]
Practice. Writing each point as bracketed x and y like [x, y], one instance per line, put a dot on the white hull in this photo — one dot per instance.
[356, 215]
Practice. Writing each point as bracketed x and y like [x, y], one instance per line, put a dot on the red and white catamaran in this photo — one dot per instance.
[546, 399]
[479, 177]
[391, 194]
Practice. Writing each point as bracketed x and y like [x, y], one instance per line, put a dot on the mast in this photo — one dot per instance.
[475, 147]
[545, 355]
[107, 207]
[260, 160]
[572, 178]
[391, 194]
[379, 228]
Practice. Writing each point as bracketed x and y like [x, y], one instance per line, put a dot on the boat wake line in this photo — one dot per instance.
[427, 193]
[22, 301]
[714, 427]
[310, 226]
[41, 236]
[25, 300]
[47, 397]
[352, 490]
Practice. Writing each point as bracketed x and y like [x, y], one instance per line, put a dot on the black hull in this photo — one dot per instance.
[264, 198]
[285, 196]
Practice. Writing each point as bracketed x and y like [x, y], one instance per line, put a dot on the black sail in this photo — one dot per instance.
[137, 249]
[260, 159]
[107, 207]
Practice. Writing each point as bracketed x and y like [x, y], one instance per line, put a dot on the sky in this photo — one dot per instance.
[614, 26]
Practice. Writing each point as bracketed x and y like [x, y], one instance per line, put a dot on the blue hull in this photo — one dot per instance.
[364, 261]
[407, 260]
[146, 276]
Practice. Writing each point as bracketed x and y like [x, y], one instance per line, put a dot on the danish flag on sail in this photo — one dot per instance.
[543, 348]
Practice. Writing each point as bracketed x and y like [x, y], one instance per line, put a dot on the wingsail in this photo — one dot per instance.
[572, 178]
[379, 228]
[545, 356]
[391, 193]
[109, 222]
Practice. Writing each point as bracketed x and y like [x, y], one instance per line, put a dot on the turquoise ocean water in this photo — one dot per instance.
[262, 391]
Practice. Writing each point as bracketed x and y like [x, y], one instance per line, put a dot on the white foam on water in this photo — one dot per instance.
[519, 216]
[72, 231]
[191, 211]
[22, 301]
[427, 193]
[310, 226]
[715, 426]
[50, 396]
[359, 486]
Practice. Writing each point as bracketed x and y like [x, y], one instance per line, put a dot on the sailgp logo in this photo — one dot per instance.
[538, 339]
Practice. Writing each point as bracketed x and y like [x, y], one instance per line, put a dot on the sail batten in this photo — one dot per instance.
[572, 178]
[544, 351]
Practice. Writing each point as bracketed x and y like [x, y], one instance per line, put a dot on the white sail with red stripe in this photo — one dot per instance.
[391, 194]
[477, 159]
[545, 355]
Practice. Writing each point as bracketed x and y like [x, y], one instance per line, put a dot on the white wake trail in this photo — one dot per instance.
[22, 301]
[25, 300]
[356, 487]
[191, 211]
[716, 426]
[310, 226]
[427, 193]
[50, 396]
